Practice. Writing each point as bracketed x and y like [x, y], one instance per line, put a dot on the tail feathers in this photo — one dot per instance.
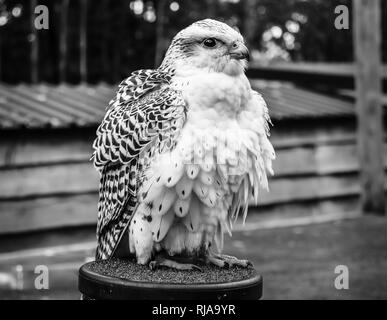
[110, 236]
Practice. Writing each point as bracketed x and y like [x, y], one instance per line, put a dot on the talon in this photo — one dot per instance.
[230, 261]
[153, 265]
[171, 264]
[215, 261]
[197, 268]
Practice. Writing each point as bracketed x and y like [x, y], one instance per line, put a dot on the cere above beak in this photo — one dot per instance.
[239, 51]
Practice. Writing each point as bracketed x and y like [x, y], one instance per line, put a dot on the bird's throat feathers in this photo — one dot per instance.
[199, 65]
[220, 95]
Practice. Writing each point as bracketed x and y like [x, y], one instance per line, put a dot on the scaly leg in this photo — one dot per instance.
[225, 261]
[217, 262]
[161, 261]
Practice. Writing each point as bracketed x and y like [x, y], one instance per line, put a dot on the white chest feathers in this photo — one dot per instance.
[214, 96]
[193, 193]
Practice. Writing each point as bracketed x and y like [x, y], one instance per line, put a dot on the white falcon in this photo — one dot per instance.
[182, 150]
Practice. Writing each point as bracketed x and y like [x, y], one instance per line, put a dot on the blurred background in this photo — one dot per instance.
[325, 85]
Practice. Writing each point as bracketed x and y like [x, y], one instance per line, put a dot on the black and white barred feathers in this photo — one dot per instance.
[145, 117]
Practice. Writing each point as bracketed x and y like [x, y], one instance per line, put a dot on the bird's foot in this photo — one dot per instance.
[164, 262]
[225, 261]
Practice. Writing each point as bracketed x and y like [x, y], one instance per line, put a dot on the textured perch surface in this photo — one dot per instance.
[125, 279]
[128, 270]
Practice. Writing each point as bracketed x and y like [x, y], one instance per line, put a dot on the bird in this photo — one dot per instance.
[182, 150]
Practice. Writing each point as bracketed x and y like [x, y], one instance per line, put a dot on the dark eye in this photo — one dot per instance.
[210, 42]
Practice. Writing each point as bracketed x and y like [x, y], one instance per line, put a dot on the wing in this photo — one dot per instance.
[144, 118]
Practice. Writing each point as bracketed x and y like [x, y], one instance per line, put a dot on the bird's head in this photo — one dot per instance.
[209, 45]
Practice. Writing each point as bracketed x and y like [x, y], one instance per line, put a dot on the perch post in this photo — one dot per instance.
[367, 43]
[125, 280]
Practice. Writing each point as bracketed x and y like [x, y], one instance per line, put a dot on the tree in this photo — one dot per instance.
[125, 35]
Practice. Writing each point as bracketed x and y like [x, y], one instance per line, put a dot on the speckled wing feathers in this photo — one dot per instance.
[145, 117]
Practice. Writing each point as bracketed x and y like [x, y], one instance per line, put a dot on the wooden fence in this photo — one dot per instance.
[47, 180]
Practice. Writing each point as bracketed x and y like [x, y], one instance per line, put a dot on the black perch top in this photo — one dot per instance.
[118, 279]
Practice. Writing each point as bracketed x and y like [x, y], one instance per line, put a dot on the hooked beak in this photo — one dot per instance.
[239, 51]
